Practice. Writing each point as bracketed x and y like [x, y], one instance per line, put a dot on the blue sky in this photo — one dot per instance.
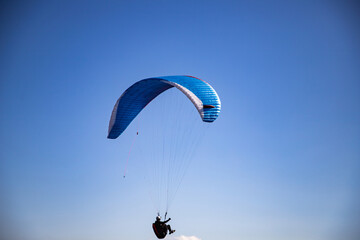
[281, 161]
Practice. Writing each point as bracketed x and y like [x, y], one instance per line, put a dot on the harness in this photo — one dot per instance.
[160, 233]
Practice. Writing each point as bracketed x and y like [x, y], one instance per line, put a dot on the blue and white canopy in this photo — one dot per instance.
[140, 94]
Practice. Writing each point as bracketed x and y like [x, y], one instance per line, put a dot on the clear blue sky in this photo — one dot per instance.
[283, 158]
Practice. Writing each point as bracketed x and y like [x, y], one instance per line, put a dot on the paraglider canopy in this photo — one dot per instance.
[140, 94]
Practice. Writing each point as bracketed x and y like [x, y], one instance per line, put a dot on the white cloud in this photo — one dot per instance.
[182, 237]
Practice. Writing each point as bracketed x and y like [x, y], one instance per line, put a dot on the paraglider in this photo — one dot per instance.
[175, 150]
[161, 228]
